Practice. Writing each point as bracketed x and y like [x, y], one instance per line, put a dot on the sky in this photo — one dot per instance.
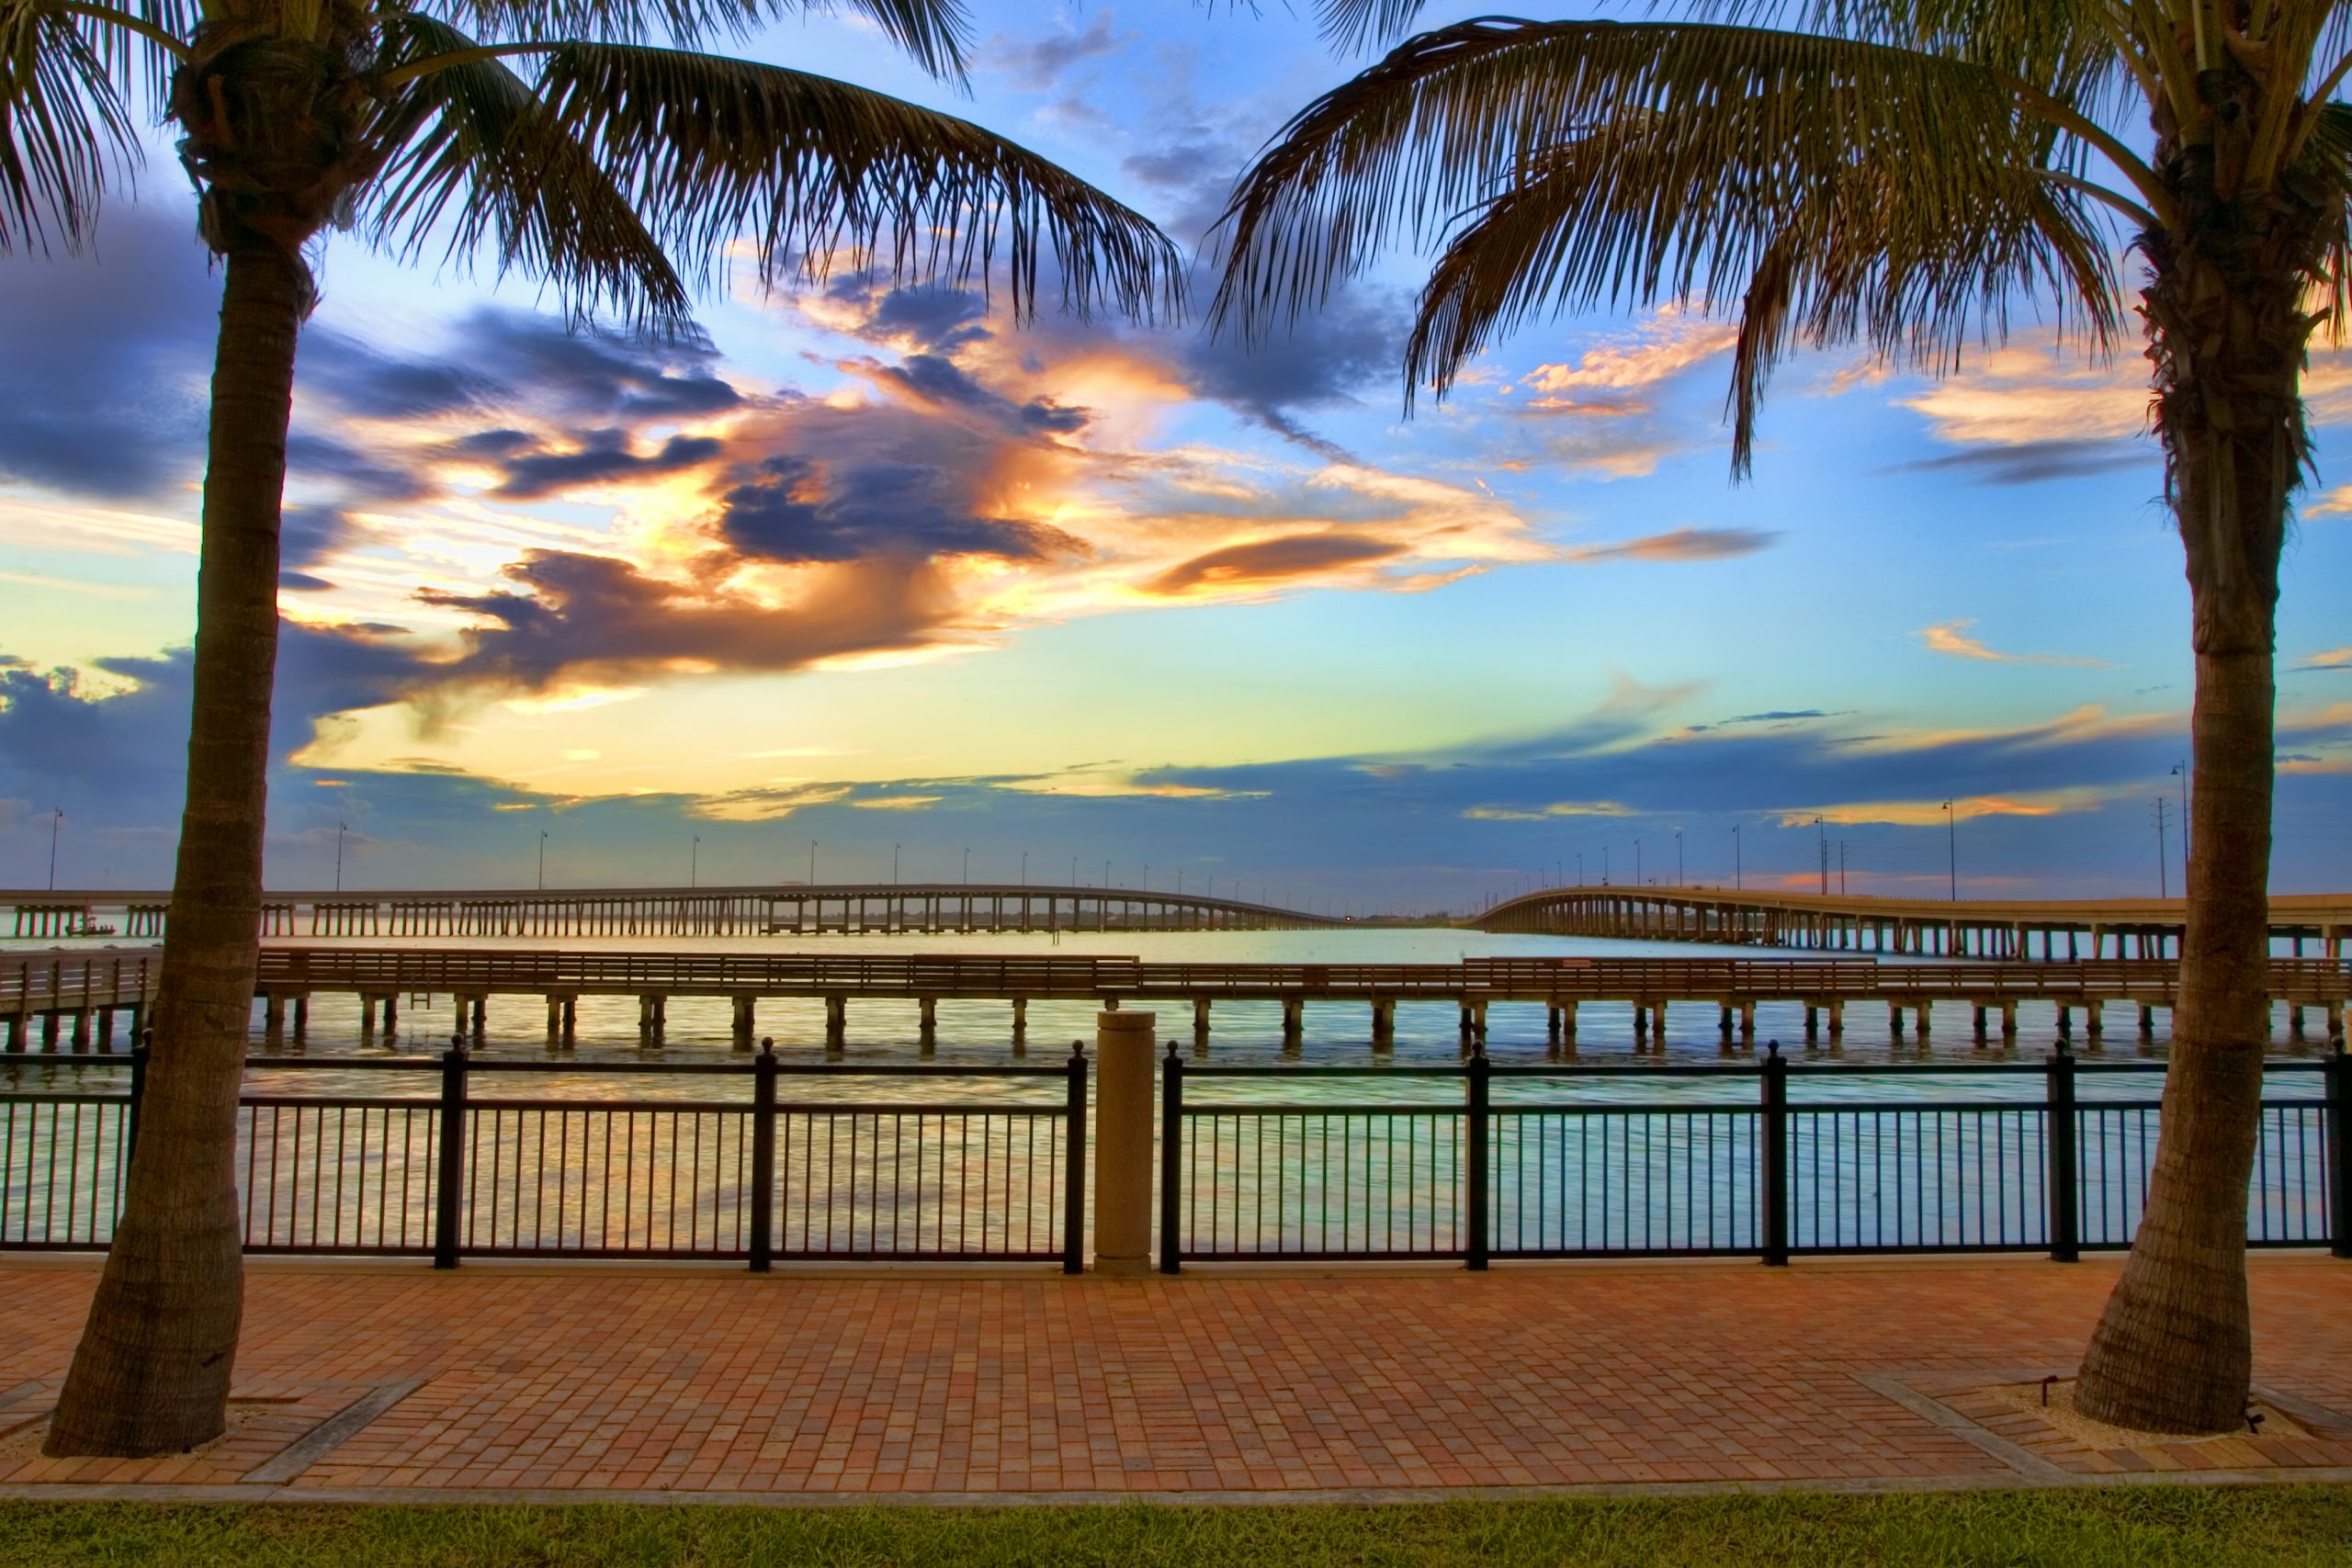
[866, 572]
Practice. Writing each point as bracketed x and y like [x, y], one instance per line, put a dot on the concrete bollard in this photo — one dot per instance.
[1124, 1072]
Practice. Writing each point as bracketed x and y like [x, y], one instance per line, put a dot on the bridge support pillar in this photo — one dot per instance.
[82, 1028]
[1748, 1023]
[1837, 1020]
[1201, 1018]
[1812, 1022]
[1927, 1016]
[2008, 1020]
[2094, 1025]
[48, 1030]
[2065, 1022]
[1641, 1024]
[1479, 1019]
[1658, 1025]
[273, 1014]
[392, 1016]
[17, 1030]
[2147, 1021]
[472, 1012]
[927, 1015]
[102, 1032]
[1383, 1023]
[836, 1020]
[2336, 1020]
[1020, 1018]
[1568, 1022]
[746, 1021]
[1723, 1019]
[2295, 1021]
[1294, 1017]
[1976, 1021]
[1895, 1019]
[652, 1016]
[301, 1015]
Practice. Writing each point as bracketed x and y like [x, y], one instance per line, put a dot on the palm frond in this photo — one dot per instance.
[1353, 24]
[2323, 176]
[472, 154]
[804, 168]
[131, 57]
[937, 33]
[64, 133]
[1866, 256]
[1759, 120]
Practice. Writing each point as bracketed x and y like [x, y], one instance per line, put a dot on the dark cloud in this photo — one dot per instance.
[602, 455]
[792, 509]
[569, 612]
[939, 380]
[2033, 462]
[1682, 543]
[1351, 345]
[355, 378]
[1037, 64]
[301, 583]
[361, 475]
[599, 374]
[107, 352]
[1272, 561]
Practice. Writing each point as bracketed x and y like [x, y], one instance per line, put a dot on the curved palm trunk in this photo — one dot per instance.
[2174, 1350]
[152, 1372]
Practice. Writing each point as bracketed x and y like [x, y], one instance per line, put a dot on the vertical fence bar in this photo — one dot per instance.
[762, 1241]
[2339, 1152]
[1475, 1195]
[1775, 1175]
[450, 1172]
[1074, 1169]
[1172, 1140]
[2065, 1202]
[139, 1095]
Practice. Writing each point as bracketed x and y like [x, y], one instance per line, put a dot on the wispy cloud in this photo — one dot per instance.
[1951, 638]
[2327, 658]
[1680, 544]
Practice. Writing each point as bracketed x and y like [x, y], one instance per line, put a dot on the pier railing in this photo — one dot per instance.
[797, 1167]
[1552, 1161]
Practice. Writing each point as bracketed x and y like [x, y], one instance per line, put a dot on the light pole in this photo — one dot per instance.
[1952, 835]
[56, 820]
[1179, 884]
[1106, 876]
[1738, 877]
[2180, 771]
[967, 865]
[1073, 871]
[1604, 865]
[1024, 868]
[1678, 857]
[894, 864]
[543, 861]
[694, 864]
[1579, 868]
[1823, 829]
[343, 828]
[812, 863]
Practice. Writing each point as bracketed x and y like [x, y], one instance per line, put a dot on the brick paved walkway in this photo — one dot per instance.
[610, 1381]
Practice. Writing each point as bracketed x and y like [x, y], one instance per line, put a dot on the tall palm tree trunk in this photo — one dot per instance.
[152, 1373]
[2174, 1350]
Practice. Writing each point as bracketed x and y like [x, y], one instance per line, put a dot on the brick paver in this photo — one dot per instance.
[612, 1379]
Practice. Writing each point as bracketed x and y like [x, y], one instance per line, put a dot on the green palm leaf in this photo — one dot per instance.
[473, 154]
[63, 128]
[805, 168]
[1760, 120]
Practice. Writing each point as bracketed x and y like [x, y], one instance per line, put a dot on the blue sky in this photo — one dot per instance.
[871, 567]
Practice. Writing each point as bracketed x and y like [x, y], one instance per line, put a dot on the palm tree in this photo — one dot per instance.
[1897, 173]
[626, 163]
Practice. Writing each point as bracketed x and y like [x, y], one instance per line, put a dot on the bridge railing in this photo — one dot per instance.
[792, 1164]
[1486, 1162]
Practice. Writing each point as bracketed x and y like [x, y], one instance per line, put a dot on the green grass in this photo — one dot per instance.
[2130, 1528]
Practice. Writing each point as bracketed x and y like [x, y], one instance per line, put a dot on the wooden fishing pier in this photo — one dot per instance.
[86, 989]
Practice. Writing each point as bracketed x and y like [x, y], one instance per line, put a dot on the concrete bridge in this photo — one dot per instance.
[2062, 929]
[786, 909]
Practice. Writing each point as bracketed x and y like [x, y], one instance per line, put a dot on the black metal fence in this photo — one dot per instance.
[456, 1173]
[1561, 1165]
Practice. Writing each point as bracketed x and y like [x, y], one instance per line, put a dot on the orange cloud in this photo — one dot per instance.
[1951, 638]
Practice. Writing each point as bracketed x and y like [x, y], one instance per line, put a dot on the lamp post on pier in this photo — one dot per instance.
[1823, 829]
[967, 865]
[56, 820]
[343, 828]
[894, 864]
[1738, 877]
[694, 862]
[812, 863]
[1952, 836]
[1678, 857]
[543, 861]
